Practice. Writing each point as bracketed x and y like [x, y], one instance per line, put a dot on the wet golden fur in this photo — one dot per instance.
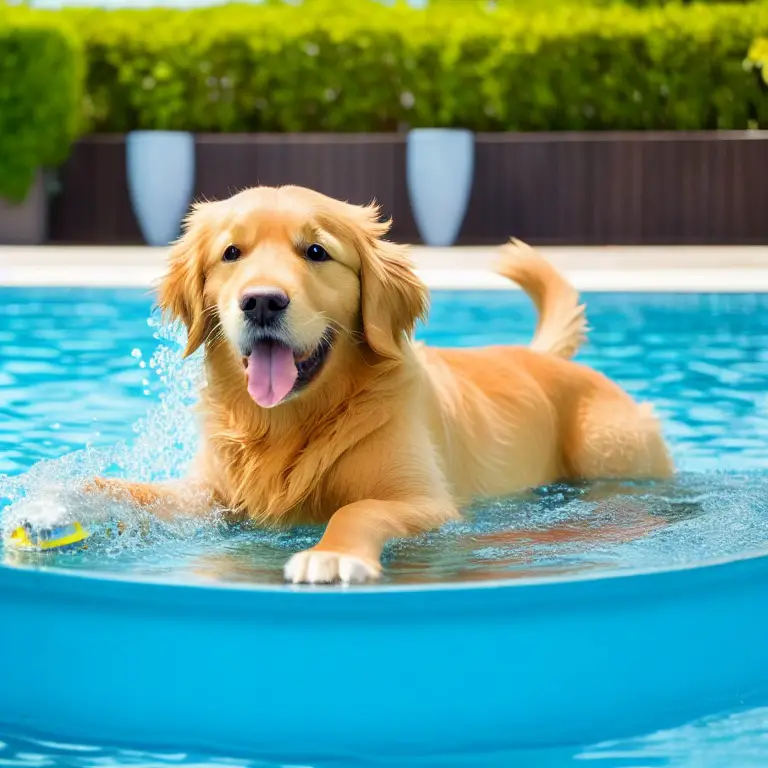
[393, 438]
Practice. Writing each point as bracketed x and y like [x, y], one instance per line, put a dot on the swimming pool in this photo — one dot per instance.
[75, 364]
[80, 371]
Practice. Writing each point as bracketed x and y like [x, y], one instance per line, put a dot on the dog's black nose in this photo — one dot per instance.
[264, 306]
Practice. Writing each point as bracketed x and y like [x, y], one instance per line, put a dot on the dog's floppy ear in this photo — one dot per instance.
[180, 295]
[393, 298]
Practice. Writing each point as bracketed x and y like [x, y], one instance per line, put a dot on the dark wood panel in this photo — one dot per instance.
[547, 188]
[93, 206]
[358, 169]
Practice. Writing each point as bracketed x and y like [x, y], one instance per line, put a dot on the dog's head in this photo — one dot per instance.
[286, 277]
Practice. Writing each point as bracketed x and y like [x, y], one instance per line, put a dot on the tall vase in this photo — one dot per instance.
[26, 223]
[161, 178]
[439, 172]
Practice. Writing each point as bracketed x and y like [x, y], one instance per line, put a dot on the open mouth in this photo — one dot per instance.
[275, 371]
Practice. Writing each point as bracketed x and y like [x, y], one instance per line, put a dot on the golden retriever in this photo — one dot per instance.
[320, 408]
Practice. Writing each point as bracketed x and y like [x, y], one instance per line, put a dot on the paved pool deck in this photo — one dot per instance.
[590, 268]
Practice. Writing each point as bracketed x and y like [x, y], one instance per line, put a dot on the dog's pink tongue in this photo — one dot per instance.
[271, 373]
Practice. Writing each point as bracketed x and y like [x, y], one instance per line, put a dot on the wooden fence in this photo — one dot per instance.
[546, 188]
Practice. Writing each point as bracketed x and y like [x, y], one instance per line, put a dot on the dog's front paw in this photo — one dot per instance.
[319, 567]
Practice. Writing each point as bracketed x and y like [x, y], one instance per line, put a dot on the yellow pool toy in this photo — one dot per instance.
[43, 539]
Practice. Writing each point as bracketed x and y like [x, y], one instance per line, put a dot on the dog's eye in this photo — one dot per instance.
[232, 253]
[316, 252]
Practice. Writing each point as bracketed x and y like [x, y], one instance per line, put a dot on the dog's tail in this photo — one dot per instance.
[562, 323]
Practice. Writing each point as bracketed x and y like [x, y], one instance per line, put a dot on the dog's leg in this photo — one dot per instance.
[165, 500]
[613, 437]
[356, 534]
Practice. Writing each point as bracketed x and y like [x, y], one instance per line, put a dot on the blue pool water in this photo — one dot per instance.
[90, 383]
[74, 365]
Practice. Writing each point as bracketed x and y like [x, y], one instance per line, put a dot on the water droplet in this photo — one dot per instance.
[136, 352]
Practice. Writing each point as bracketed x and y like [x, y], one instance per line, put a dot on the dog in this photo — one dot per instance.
[320, 408]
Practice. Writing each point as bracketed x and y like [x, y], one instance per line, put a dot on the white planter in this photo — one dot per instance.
[439, 170]
[26, 223]
[161, 177]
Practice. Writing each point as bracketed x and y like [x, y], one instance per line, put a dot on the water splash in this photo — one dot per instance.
[51, 492]
[167, 437]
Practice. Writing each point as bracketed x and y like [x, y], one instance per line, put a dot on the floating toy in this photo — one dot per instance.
[28, 537]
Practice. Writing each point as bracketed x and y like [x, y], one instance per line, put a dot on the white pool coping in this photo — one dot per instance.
[590, 269]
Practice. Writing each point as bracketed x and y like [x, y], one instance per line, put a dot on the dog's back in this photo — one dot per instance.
[509, 417]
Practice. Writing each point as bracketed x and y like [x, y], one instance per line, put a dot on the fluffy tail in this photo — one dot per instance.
[562, 323]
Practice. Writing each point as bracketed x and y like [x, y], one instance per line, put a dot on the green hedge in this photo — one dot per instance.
[41, 92]
[356, 65]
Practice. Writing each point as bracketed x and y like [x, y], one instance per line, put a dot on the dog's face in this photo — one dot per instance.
[285, 276]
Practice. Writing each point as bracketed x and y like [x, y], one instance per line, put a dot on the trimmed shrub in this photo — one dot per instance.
[336, 65]
[41, 82]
